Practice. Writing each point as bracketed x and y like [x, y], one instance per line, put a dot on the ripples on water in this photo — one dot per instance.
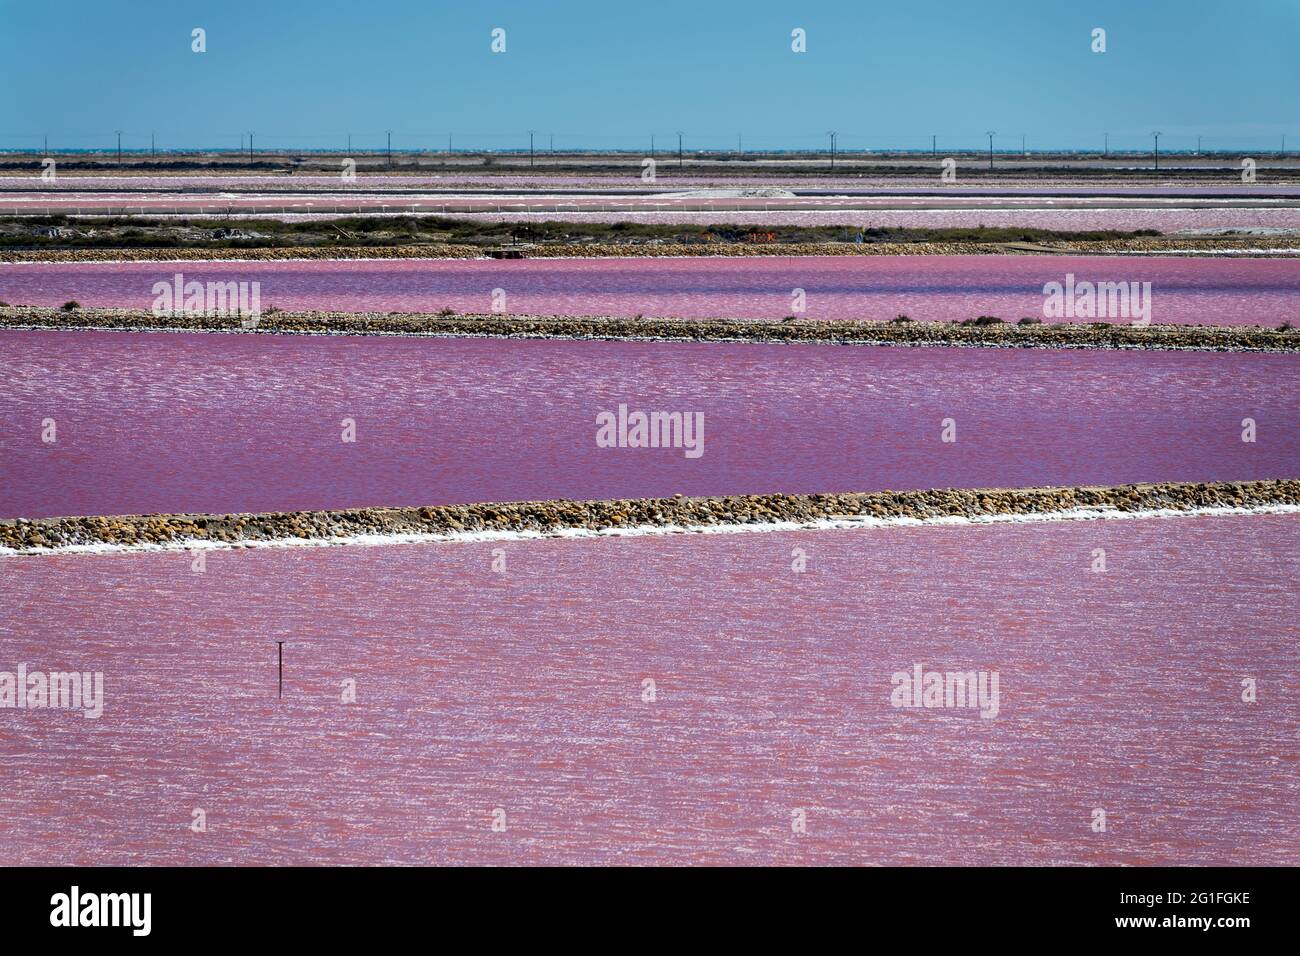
[234, 423]
[1196, 290]
[524, 690]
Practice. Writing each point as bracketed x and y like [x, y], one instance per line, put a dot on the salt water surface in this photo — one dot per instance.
[1238, 291]
[220, 423]
[521, 695]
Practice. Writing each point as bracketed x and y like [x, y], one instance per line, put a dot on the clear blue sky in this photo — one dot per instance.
[611, 72]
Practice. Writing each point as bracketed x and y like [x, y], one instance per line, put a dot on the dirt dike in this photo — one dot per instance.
[1147, 245]
[551, 517]
[976, 332]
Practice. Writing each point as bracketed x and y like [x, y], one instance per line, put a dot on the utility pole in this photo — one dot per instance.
[1198, 146]
[349, 144]
[153, 154]
[390, 146]
[990, 134]
[1157, 151]
[832, 136]
[740, 144]
[1022, 145]
[119, 147]
[250, 146]
[47, 143]
[552, 145]
[1105, 150]
[934, 145]
[652, 145]
[530, 147]
[679, 149]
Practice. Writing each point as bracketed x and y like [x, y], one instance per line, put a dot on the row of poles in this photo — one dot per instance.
[740, 145]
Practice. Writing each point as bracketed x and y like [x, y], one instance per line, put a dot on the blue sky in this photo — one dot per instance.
[609, 73]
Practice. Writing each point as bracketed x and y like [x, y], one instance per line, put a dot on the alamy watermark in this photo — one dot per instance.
[638, 429]
[130, 910]
[927, 689]
[53, 690]
[210, 299]
[1097, 300]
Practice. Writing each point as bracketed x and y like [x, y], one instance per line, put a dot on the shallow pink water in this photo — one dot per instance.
[164, 422]
[1201, 291]
[523, 691]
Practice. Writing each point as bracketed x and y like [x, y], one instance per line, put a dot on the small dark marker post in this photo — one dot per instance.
[280, 645]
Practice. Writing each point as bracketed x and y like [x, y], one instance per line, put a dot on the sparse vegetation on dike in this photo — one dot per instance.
[64, 233]
[982, 331]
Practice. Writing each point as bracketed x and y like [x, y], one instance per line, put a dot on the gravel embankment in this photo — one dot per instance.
[830, 332]
[550, 517]
[1147, 245]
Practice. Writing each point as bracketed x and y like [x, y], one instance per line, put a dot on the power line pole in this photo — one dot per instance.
[990, 134]
[679, 149]
[390, 147]
[153, 154]
[832, 135]
[530, 147]
[934, 145]
[119, 147]
[1157, 151]
[652, 145]
[1105, 150]
[250, 147]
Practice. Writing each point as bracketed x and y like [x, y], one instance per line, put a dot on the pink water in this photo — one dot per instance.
[523, 691]
[1200, 291]
[159, 422]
